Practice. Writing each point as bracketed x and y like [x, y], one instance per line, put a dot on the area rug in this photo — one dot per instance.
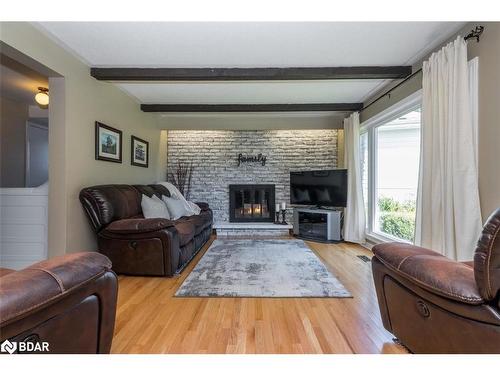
[260, 268]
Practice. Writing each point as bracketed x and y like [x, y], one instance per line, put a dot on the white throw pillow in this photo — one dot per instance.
[175, 207]
[154, 207]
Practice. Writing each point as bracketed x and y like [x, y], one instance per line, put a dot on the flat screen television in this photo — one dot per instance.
[319, 188]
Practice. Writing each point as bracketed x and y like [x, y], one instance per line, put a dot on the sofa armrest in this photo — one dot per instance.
[203, 205]
[132, 226]
[431, 271]
[42, 283]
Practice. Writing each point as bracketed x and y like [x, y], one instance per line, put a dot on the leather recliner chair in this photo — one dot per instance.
[433, 304]
[139, 246]
[68, 302]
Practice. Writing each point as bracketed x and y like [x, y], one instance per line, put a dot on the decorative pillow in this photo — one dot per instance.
[176, 207]
[154, 207]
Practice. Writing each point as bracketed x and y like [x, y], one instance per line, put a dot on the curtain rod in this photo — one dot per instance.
[475, 33]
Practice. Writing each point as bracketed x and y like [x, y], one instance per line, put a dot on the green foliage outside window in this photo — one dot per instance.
[397, 218]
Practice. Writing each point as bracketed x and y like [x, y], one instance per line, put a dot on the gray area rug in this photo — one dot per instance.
[260, 268]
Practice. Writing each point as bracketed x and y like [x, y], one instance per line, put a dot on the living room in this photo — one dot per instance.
[250, 187]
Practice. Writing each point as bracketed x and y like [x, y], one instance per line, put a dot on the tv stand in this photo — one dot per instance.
[325, 208]
[318, 224]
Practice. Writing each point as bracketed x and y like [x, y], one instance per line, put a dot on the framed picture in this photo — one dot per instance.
[108, 143]
[139, 152]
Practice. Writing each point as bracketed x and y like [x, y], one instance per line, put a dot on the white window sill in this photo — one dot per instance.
[377, 238]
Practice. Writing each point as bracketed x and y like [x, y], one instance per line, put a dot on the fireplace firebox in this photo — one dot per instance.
[251, 203]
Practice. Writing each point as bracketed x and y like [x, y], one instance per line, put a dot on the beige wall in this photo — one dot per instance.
[488, 51]
[161, 163]
[77, 101]
[13, 142]
[254, 121]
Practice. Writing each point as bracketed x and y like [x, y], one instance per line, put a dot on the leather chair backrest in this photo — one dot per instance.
[155, 189]
[52, 278]
[106, 203]
[487, 258]
[160, 190]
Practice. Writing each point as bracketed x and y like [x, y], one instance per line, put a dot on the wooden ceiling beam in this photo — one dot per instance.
[250, 74]
[314, 107]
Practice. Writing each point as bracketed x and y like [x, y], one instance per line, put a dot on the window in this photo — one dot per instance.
[390, 153]
[363, 148]
[397, 150]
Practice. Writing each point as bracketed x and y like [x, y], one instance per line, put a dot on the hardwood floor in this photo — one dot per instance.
[151, 320]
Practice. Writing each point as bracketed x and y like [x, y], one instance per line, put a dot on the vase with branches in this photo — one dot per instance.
[181, 177]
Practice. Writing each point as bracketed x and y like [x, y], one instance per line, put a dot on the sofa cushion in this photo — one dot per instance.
[187, 252]
[207, 215]
[153, 189]
[395, 252]
[131, 226]
[206, 219]
[107, 203]
[175, 207]
[201, 221]
[431, 271]
[185, 230]
[203, 206]
[154, 207]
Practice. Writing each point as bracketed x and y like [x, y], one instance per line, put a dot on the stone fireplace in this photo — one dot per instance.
[215, 156]
[251, 203]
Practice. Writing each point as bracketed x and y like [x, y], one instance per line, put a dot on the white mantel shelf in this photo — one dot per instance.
[226, 229]
[251, 226]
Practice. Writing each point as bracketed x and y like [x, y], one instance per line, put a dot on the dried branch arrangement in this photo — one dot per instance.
[181, 178]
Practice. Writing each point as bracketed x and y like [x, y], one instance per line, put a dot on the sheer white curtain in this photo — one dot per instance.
[474, 101]
[354, 220]
[448, 210]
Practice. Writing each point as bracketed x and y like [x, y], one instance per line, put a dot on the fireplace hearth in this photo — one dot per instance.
[251, 203]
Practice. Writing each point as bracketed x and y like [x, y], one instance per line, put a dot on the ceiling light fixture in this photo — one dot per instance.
[42, 97]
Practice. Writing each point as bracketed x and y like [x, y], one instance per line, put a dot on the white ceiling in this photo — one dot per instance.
[255, 44]
[254, 92]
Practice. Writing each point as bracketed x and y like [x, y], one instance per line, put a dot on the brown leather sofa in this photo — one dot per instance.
[139, 246]
[435, 305]
[68, 302]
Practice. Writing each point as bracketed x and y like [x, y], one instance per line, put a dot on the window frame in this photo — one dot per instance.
[369, 127]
